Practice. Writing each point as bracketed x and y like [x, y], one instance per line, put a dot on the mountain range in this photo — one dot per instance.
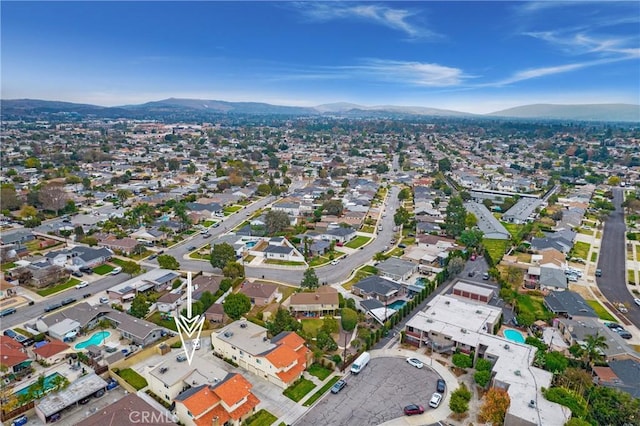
[180, 109]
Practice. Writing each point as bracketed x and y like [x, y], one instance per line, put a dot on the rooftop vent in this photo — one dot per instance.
[462, 330]
[506, 347]
[447, 302]
[163, 370]
[478, 311]
[228, 333]
[517, 373]
[243, 325]
[532, 404]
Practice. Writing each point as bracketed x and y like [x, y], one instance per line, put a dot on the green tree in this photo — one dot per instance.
[401, 216]
[282, 321]
[167, 261]
[404, 194]
[330, 324]
[555, 362]
[236, 305]
[482, 378]
[455, 265]
[131, 268]
[349, 319]
[333, 207]
[233, 270]
[594, 347]
[610, 406]
[325, 341]
[459, 402]
[444, 164]
[276, 221]
[139, 306]
[221, 254]
[9, 198]
[310, 279]
[455, 220]
[462, 360]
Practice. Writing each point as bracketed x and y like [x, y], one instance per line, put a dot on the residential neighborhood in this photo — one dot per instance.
[304, 246]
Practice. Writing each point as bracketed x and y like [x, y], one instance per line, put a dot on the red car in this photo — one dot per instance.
[412, 409]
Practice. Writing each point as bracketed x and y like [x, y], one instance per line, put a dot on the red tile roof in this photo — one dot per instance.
[53, 347]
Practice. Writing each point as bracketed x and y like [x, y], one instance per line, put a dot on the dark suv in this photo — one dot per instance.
[440, 386]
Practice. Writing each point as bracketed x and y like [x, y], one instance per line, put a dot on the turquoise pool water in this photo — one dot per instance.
[48, 385]
[420, 282]
[514, 335]
[95, 339]
[250, 244]
[397, 305]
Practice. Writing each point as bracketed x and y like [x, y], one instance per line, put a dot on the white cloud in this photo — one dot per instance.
[412, 73]
[396, 19]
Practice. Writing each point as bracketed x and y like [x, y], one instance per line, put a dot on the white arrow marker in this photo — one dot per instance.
[187, 326]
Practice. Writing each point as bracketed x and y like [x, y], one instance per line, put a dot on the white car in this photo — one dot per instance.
[196, 344]
[435, 400]
[82, 284]
[335, 262]
[116, 270]
[415, 362]
[637, 301]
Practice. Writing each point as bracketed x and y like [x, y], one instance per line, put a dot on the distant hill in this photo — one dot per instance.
[593, 112]
[201, 109]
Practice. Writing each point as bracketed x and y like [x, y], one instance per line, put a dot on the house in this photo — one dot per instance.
[623, 375]
[155, 279]
[167, 379]
[523, 211]
[323, 301]
[560, 240]
[202, 283]
[13, 358]
[66, 329]
[375, 287]
[290, 208]
[280, 249]
[39, 274]
[125, 246]
[168, 302]
[341, 234]
[130, 409]
[209, 209]
[553, 279]
[474, 291]
[487, 223]
[575, 331]
[55, 402]
[151, 235]
[281, 360]
[397, 269]
[317, 247]
[450, 324]
[568, 304]
[80, 256]
[261, 294]
[215, 313]
[20, 236]
[53, 352]
[229, 402]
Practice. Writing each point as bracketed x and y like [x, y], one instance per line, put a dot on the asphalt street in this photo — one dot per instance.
[376, 395]
[31, 313]
[613, 282]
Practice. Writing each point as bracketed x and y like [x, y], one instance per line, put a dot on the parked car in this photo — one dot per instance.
[441, 386]
[402, 246]
[86, 270]
[636, 301]
[191, 248]
[8, 311]
[412, 409]
[153, 256]
[52, 307]
[84, 401]
[82, 284]
[77, 274]
[104, 300]
[181, 358]
[415, 362]
[613, 325]
[622, 308]
[19, 421]
[112, 384]
[99, 393]
[68, 301]
[338, 386]
[623, 333]
[472, 273]
[485, 276]
[598, 272]
[10, 333]
[435, 400]
[116, 270]
[335, 262]
[207, 235]
[55, 417]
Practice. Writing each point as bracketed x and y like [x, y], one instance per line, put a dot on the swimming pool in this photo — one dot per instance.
[95, 339]
[48, 385]
[421, 282]
[397, 305]
[513, 335]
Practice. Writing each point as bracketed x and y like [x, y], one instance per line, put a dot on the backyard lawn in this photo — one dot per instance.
[231, 209]
[532, 305]
[57, 288]
[513, 228]
[156, 318]
[311, 326]
[8, 265]
[496, 248]
[319, 371]
[313, 398]
[142, 255]
[580, 249]
[283, 262]
[261, 418]
[133, 378]
[103, 269]
[118, 262]
[602, 313]
[360, 275]
[368, 229]
[299, 389]
[357, 242]
[396, 252]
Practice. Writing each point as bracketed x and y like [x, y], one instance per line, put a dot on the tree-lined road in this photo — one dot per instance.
[613, 282]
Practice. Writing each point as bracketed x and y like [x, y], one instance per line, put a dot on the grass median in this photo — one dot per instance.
[321, 391]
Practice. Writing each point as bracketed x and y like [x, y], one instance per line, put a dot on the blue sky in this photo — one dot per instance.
[468, 56]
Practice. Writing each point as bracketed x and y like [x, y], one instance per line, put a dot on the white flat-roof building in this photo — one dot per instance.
[450, 323]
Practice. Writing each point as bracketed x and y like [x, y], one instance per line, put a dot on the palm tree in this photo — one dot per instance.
[59, 382]
[594, 347]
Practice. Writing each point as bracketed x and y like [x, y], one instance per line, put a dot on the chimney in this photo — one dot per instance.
[317, 296]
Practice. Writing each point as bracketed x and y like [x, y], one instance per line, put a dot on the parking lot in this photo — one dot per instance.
[376, 395]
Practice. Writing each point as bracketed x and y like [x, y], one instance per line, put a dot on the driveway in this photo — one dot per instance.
[376, 395]
[613, 282]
